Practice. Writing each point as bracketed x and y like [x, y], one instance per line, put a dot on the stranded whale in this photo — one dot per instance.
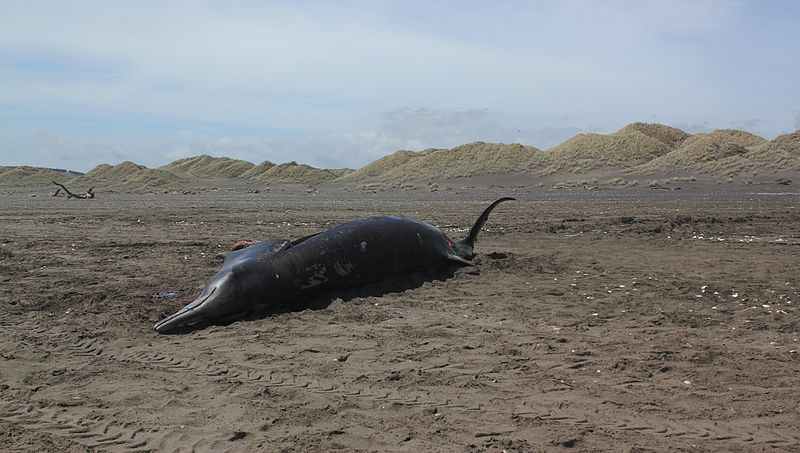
[355, 253]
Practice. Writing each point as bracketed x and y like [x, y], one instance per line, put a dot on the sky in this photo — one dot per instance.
[341, 83]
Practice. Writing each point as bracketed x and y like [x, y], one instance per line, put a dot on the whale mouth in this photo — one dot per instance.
[187, 315]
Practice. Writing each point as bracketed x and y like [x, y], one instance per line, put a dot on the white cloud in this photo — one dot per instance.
[694, 128]
[45, 148]
[747, 125]
[310, 80]
[445, 128]
[407, 128]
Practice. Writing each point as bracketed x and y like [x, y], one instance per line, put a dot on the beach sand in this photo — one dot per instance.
[605, 320]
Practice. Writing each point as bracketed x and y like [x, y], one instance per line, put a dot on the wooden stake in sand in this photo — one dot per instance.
[89, 193]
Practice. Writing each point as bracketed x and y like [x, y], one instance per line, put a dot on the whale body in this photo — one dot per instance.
[358, 252]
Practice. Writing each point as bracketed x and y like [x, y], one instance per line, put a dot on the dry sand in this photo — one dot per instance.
[596, 321]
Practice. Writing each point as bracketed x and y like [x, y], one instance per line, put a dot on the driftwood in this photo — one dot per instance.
[83, 196]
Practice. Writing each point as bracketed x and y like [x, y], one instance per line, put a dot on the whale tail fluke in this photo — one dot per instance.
[476, 228]
[464, 248]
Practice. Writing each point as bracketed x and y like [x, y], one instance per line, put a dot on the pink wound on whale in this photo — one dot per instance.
[242, 244]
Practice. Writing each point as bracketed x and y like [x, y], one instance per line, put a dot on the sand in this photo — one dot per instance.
[605, 320]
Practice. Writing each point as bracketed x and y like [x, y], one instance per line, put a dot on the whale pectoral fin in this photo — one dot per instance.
[262, 249]
[302, 239]
[460, 260]
[286, 245]
[221, 255]
[292, 243]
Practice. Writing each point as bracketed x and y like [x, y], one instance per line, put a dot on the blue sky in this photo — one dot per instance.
[341, 83]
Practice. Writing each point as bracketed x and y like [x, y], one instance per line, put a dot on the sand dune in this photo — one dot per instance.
[257, 170]
[127, 177]
[728, 152]
[294, 173]
[782, 153]
[632, 145]
[467, 160]
[107, 176]
[150, 179]
[208, 167]
[376, 170]
[28, 176]
[638, 148]
[131, 177]
[622, 149]
[671, 136]
[789, 142]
